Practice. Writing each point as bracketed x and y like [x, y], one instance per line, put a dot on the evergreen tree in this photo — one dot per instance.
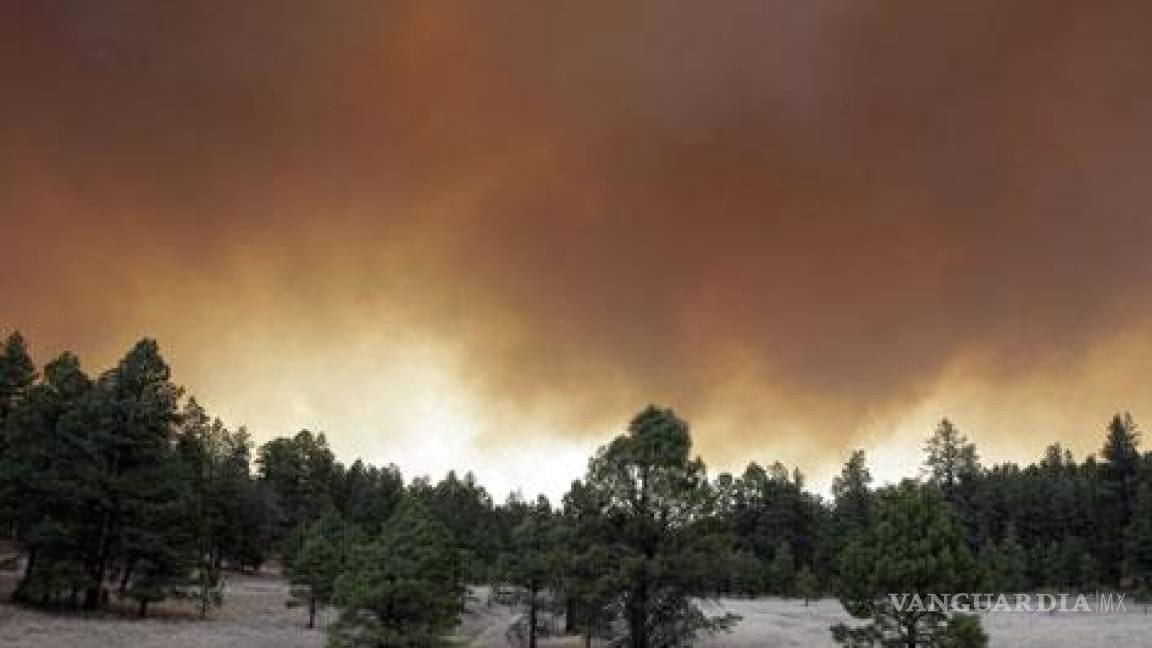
[1138, 538]
[403, 590]
[782, 570]
[156, 578]
[852, 497]
[465, 508]
[302, 473]
[17, 374]
[916, 548]
[807, 588]
[313, 572]
[950, 457]
[139, 514]
[1121, 448]
[1013, 576]
[532, 564]
[964, 631]
[42, 485]
[1121, 460]
[592, 577]
[1053, 565]
[655, 499]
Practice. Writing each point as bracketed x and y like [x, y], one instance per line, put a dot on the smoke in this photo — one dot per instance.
[804, 226]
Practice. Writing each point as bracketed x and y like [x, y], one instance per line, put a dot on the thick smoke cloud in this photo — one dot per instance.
[781, 217]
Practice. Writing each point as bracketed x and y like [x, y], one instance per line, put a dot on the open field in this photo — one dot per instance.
[255, 616]
[786, 623]
[779, 623]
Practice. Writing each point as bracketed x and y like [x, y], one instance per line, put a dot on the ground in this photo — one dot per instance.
[255, 616]
[787, 623]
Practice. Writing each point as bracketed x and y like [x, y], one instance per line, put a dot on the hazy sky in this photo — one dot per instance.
[483, 234]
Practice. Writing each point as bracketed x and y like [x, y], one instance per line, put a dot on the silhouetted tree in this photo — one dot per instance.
[655, 501]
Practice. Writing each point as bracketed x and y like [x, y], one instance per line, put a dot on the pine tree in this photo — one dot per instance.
[591, 577]
[303, 474]
[916, 548]
[806, 587]
[1054, 565]
[1013, 575]
[17, 376]
[140, 515]
[990, 564]
[1138, 538]
[1121, 448]
[200, 449]
[852, 497]
[1121, 460]
[782, 570]
[532, 564]
[17, 373]
[950, 457]
[964, 631]
[154, 581]
[404, 590]
[314, 571]
[43, 479]
[656, 499]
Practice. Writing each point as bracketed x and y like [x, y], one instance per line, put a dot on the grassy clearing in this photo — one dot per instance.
[255, 616]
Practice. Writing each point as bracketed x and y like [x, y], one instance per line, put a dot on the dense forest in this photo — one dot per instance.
[119, 486]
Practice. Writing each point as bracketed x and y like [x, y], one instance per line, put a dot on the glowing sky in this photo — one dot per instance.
[482, 234]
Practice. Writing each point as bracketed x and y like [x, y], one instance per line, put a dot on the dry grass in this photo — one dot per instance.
[782, 623]
[254, 616]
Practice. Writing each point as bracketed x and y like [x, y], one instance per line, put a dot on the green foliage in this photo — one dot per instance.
[591, 577]
[17, 373]
[313, 572]
[782, 570]
[807, 587]
[533, 563]
[1138, 538]
[301, 472]
[653, 502]
[964, 631]
[403, 590]
[768, 508]
[950, 457]
[156, 580]
[464, 508]
[916, 548]
[852, 497]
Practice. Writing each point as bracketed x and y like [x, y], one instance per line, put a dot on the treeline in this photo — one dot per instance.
[119, 487]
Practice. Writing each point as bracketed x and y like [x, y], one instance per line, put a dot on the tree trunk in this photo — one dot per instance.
[569, 614]
[143, 608]
[638, 617]
[532, 617]
[912, 639]
[311, 611]
[203, 597]
[99, 570]
[126, 577]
